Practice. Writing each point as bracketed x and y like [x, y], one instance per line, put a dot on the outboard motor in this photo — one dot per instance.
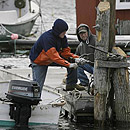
[22, 94]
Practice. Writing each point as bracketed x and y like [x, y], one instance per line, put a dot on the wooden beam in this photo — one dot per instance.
[111, 64]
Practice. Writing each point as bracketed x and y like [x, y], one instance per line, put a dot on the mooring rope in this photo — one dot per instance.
[15, 75]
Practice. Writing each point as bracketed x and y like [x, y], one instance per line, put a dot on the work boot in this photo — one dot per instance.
[70, 87]
[64, 81]
[79, 87]
[85, 86]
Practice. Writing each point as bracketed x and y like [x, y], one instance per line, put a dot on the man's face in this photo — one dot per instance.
[84, 36]
[62, 34]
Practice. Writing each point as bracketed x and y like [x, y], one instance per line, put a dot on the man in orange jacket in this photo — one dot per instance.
[52, 47]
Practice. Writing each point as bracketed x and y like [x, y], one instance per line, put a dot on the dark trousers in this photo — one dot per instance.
[39, 74]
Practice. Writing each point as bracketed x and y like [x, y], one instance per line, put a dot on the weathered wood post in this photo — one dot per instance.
[122, 92]
[110, 72]
[110, 99]
[112, 24]
[101, 74]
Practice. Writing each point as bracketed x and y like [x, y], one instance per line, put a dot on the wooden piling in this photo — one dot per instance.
[111, 77]
[101, 73]
[122, 93]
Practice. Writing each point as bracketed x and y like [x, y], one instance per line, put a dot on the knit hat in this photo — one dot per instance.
[59, 26]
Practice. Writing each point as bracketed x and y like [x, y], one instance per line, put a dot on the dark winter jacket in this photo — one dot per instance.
[83, 47]
[50, 47]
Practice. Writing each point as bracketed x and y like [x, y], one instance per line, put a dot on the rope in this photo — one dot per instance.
[42, 23]
[86, 57]
[15, 75]
[4, 100]
[5, 28]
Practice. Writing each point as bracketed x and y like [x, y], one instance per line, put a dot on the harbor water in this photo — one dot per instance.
[51, 10]
[54, 9]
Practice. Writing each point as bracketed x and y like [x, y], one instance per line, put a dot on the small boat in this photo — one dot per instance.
[43, 112]
[17, 17]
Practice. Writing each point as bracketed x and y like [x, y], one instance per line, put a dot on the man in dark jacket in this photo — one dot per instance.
[52, 47]
[86, 38]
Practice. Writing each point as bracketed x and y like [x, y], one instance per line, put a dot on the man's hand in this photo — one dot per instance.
[80, 61]
[73, 66]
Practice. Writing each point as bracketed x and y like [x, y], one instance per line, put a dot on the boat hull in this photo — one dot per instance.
[41, 115]
[23, 29]
[46, 112]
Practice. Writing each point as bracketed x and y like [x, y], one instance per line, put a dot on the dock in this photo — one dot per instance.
[23, 46]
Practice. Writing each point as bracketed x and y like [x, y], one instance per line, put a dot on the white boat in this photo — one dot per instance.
[46, 112]
[17, 17]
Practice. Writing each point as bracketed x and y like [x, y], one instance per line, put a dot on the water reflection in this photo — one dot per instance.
[66, 124]
[39, 127]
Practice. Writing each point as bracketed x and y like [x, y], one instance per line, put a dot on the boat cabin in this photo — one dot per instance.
[21, 7]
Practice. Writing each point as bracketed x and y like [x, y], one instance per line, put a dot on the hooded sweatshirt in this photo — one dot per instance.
[50, 47]
[83, 47]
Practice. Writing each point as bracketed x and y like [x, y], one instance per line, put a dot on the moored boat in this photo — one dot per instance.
[46, 111]
[17, 17]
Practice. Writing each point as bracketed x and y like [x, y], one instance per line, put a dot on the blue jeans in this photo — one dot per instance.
[39, 74]
[82, 76]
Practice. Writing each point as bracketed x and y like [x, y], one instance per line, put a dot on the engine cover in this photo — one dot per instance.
[26, 92]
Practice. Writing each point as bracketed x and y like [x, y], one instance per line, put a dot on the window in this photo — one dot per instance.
[122, 4]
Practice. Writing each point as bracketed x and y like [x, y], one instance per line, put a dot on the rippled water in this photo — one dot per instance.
[53, 9]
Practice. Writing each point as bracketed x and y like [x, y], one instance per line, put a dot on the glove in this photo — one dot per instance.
[73, 66]
[80, 61]
[71, 60]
